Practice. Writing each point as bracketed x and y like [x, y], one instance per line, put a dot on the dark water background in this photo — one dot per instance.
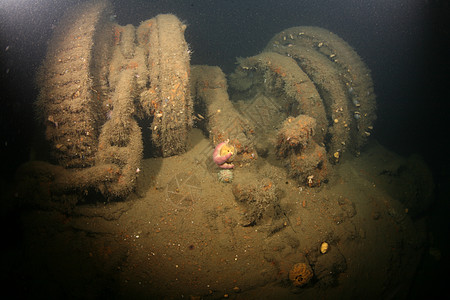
[403, 42]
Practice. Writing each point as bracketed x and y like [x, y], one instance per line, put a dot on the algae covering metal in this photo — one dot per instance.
[217, 115]
[66, 102]
[341, 77]
[167, 99]
[97, 80]
[100, 79]
[310, 72]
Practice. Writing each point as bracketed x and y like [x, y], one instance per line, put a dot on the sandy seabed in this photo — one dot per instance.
[182, 234]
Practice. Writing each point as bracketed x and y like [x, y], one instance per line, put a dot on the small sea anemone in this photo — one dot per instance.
[225, 176]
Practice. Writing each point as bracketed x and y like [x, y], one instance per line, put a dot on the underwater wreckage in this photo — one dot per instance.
[99, 78]
[289, 117]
